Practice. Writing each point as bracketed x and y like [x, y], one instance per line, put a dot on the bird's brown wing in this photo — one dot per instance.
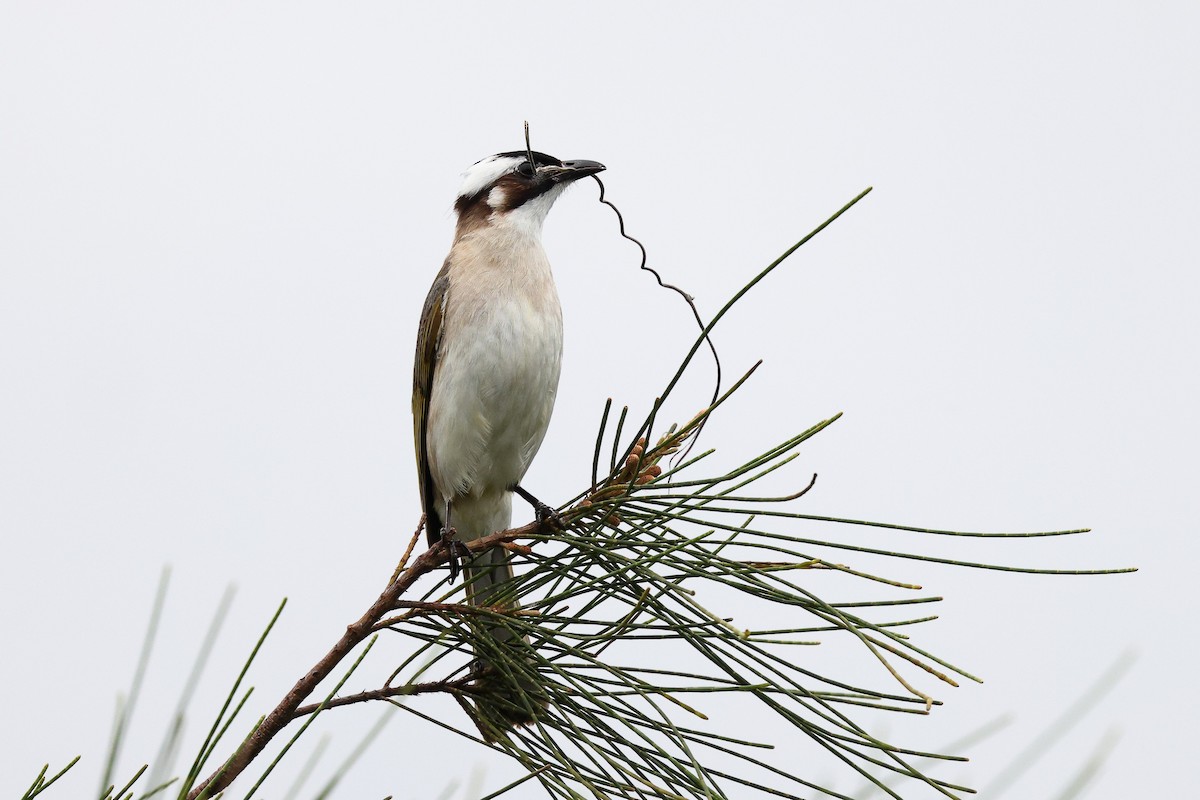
[429, 339]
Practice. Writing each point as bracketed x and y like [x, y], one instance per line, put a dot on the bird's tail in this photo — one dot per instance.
[511, 691]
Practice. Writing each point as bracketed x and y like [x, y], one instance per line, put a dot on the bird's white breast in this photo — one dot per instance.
[497, 370]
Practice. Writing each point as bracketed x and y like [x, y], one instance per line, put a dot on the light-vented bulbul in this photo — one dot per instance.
[489, 348]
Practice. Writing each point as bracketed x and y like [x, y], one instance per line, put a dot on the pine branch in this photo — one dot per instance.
[356, 633]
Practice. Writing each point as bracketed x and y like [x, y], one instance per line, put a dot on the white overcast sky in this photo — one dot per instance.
[218, 222]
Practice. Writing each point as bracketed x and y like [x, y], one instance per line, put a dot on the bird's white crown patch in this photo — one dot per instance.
[483, 173]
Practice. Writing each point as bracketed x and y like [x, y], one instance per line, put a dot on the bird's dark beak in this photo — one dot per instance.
[572, 170]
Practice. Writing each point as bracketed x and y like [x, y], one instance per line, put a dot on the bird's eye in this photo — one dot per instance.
[525, 169]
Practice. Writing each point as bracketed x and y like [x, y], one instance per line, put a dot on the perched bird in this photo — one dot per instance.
[489, 349]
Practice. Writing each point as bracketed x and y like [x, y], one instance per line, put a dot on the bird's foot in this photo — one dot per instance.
[543, 513]
[457, 551]
[548, 516]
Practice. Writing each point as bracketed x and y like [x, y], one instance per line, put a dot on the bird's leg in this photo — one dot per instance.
[542, 512]
[458, 551]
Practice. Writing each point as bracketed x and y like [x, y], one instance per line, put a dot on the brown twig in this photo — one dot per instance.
[453, 687]
[289, 707]
[421, 608]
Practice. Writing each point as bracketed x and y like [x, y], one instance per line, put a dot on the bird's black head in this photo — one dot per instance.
[509, 181]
